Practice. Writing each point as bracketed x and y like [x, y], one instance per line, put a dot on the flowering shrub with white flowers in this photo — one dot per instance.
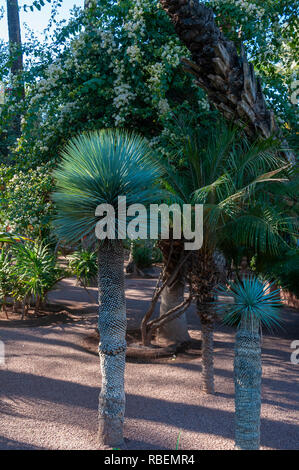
[25, 205]
[118, 65]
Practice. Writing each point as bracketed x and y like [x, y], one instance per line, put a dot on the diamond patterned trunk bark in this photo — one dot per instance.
[247, 376]
[207, 337]
[112, 346]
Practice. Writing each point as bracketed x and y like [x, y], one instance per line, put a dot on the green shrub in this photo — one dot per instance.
[28, 270]
[283, 270]
[145, 253]
[5, 277]
[83, 264]
[35, 270]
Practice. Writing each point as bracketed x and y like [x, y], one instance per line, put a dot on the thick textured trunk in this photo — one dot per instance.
[112, 346]
[175, 331]
[207, 271]
[228, 79]
[207, 337]
[207, 320]
[14, 34]
[247, 375]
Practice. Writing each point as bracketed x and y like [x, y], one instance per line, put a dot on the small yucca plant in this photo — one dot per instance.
[253, 306]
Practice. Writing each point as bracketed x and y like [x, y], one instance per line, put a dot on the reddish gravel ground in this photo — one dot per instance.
[50, 386]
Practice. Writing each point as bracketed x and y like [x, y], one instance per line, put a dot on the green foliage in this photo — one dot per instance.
[282, 269]
[36, 269]
[96, 169]
[236, 181]
[83, 265]
[268, 29]
[115, 65]
[5, 276]
[38, 4]
[28, 270]
[253, 302]
[142, 255]
[25, 206]
[145, 253]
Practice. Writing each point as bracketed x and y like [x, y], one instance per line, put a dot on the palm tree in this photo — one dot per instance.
[176, 330]
[254, 304]
[232, 178]
[96, 168]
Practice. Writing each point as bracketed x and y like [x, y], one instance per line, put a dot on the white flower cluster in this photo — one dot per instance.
[107, 41]
[248, 7]
[163, 106]
[134, 53]
[203, 104]
[156, 71]
[136, 26]
[121, 101]
[172, 53]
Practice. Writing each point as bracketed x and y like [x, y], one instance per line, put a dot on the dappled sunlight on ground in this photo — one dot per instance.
[50, 385]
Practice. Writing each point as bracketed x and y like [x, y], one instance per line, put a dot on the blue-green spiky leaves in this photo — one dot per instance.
[96, 168]
[253, 303]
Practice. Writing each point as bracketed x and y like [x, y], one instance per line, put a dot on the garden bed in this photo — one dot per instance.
[137, 351]
[51, 314]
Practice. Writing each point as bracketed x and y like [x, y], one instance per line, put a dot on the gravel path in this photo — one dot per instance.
[50, 385]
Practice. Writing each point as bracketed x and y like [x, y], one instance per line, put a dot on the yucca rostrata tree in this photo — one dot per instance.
[254, 305]
[97, 168]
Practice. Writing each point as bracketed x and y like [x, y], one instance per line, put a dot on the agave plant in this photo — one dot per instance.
[97, 168]
[254, 305]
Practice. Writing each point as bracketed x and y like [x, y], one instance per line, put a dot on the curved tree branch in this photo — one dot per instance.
[228, 79]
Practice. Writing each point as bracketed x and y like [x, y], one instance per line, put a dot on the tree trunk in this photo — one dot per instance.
[247, 376]
[131, 266]
[37, 304]
[175, 331]
[228, 79]
[112, 346]
[207, 347]
[207, 271]
[14, 34]
[4, 308]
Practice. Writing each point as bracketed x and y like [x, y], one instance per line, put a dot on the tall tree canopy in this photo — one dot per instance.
[118, 64]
